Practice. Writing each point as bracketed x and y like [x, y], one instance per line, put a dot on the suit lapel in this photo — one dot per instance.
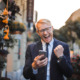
[54, 46]
[39, 46]
[41, 70]
[55, 43]
[36, 48]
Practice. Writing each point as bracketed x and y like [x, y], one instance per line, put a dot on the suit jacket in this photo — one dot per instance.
[57, 70]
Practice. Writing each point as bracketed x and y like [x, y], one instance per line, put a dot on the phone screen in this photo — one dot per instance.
[41, 52]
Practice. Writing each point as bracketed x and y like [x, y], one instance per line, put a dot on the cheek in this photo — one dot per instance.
[40, 35]
[51, 32]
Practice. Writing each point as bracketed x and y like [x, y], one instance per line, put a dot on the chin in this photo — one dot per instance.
[47, 41]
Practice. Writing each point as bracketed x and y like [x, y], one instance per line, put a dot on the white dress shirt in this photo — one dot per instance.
[50, 47]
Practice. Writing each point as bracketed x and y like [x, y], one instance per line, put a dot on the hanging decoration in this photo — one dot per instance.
[13, 9]
[16, 27]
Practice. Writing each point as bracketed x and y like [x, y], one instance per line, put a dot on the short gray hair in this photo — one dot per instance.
[43, 21]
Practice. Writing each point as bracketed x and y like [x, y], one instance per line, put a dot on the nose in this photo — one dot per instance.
[45, 32]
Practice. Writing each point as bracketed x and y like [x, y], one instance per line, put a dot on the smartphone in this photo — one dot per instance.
[41, 52]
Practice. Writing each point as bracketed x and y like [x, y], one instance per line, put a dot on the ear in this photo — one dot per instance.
[52, 28]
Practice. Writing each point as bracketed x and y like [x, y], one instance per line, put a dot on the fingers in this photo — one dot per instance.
[39, 63]
[59, 50]
[59, 47]
[42, 62]
[39, 57]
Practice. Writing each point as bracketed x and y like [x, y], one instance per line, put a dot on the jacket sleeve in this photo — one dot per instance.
[27, 70]
[65, 63]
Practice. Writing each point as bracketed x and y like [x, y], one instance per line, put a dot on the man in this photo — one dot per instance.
[56, 65]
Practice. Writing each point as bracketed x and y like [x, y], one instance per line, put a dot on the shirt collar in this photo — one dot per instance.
[51, 42]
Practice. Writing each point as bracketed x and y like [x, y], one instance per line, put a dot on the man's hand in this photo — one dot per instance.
[37, 63]
[59, 51]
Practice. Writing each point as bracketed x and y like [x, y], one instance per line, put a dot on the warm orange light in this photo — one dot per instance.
[71, 53]
[5, 21]
[5, 13]
[7, 33]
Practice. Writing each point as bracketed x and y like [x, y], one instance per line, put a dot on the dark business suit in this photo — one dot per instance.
[57, 70]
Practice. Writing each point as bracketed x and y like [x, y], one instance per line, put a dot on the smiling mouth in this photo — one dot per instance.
[46, 37]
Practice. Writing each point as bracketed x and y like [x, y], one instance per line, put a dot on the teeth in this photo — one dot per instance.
[45, 36]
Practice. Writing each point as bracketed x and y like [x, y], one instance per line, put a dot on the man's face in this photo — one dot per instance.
[45, 31]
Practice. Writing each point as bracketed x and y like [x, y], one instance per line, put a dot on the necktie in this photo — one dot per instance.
[47, 48]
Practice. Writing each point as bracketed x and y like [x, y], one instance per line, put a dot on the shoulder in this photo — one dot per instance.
[34, 44]
[60, 42]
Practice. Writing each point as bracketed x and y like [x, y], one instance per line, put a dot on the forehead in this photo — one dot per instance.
[43, 25]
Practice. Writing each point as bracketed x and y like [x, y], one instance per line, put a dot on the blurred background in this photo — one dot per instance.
[17, 30]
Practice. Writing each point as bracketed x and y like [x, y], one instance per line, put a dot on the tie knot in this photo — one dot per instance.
[47, 44]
